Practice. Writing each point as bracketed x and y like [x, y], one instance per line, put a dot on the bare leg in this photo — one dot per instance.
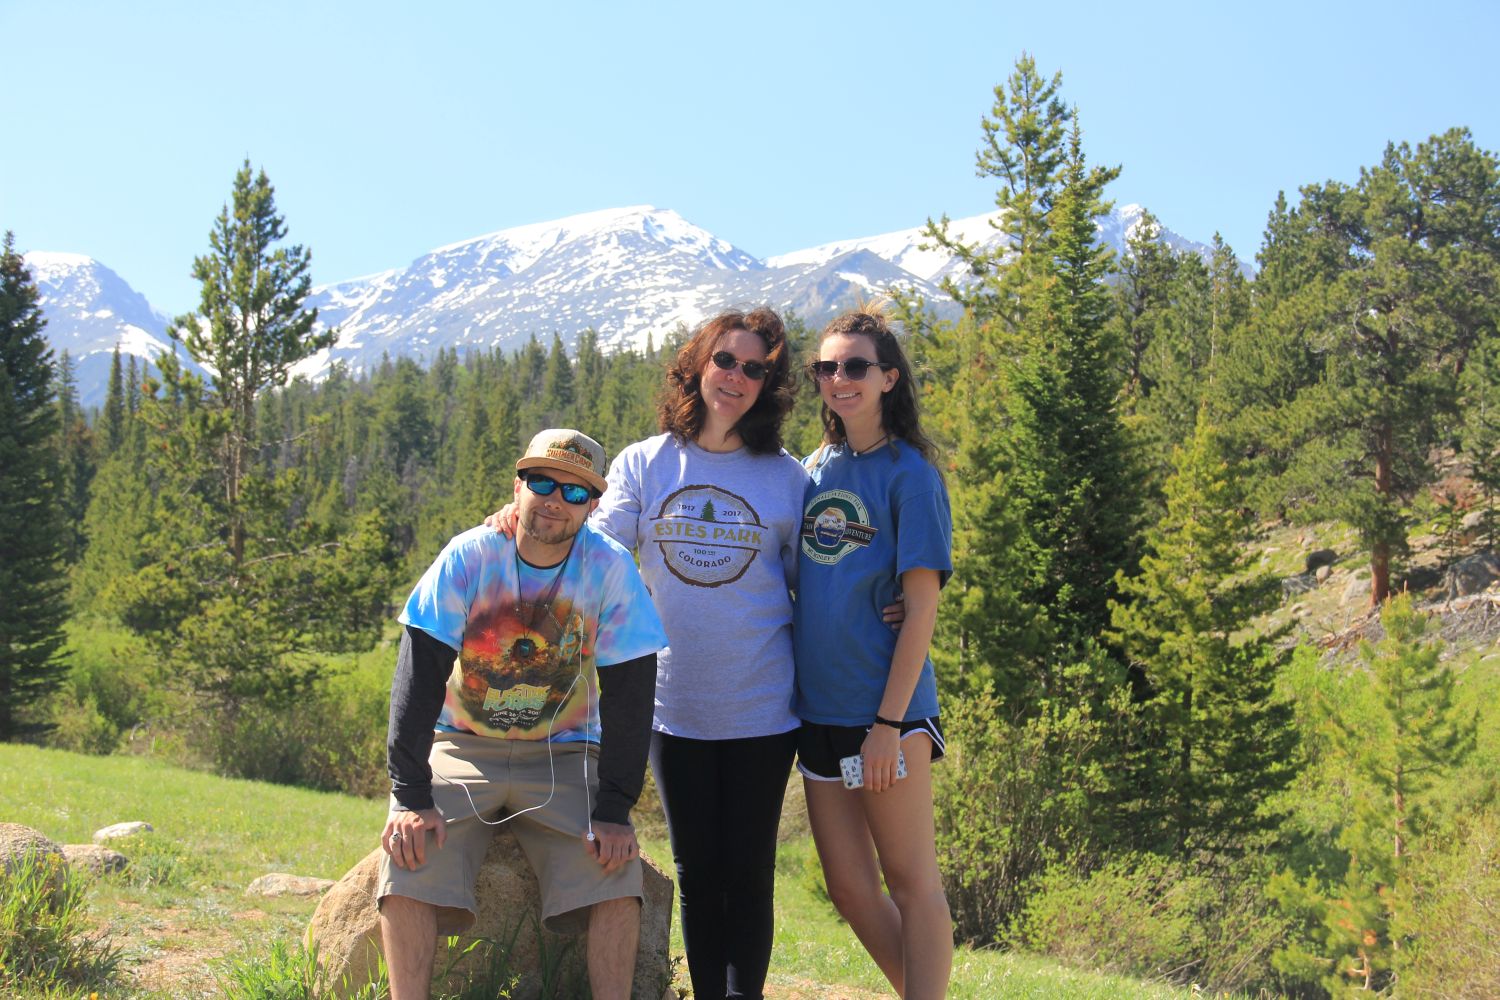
[614, 933]
[900, 821]
[408, 929]
[853, 875]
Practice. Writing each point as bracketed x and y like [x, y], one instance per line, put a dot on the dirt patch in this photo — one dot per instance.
[171, 951]
[787, 988]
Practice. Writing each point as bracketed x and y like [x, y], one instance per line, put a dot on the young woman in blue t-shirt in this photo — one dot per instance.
[875, 524]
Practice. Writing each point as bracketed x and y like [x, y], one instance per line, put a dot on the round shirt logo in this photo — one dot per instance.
[834, 524]
[708, 536]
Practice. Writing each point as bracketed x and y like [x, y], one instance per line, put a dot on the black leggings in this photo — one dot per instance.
[723, 804]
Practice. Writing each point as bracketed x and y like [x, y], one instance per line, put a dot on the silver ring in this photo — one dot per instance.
[395, 836]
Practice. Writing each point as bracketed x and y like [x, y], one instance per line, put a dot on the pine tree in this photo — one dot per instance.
[1024, 393]
[32, 536]
[1142, 294]
[1215, 742]
[588, 381]
[238, 592]
[1399, 274]
[557, 387]
[75, 459]
[1480, 431]
[1396, 730]
[252, 328]
[112, 417]
[1025, 147]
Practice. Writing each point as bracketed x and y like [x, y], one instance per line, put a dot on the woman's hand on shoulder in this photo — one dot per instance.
[504, 520]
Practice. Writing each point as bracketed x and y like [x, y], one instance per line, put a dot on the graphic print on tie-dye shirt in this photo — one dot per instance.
[526, 667]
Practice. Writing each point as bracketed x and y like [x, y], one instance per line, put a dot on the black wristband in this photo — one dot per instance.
[887, 722]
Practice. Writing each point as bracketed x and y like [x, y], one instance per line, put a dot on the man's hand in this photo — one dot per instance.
[405, 836]
[613, 845]
[504, 520]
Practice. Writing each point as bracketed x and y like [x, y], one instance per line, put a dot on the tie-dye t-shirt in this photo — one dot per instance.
[528, 655]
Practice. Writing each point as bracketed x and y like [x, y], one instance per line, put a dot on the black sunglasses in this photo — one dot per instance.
[754, 370]
[855, 369]
[543, 486]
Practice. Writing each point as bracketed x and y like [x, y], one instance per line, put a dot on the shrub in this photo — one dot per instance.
[323, 739]
[1455, 911]
[46, 945]
[105, 694]
[1010, 799]
[287, 972]
[1150, 917]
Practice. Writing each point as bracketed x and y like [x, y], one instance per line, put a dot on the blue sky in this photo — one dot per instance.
[389, 129]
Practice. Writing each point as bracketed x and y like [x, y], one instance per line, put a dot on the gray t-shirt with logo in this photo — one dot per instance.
[716, 535]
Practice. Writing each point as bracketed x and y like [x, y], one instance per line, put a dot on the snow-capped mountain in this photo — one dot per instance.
[627, 273]
[913, 251]
[89, 310]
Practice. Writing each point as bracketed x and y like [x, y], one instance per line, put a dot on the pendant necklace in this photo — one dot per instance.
[856, 452]
[525, 647]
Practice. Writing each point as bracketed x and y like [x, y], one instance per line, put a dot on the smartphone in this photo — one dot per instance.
[853, 767]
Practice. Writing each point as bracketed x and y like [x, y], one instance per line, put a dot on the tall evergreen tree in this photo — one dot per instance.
[1215, 742]
[238, 592]
[75, 459]
[252, 326]
[31, 535]
[1408, 264]
[557, 386]
[112, 417]
[1142, 295]
[1480, 432]
[1397, 730]
[1043, 499]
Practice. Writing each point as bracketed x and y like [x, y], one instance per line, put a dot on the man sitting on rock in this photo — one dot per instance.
[499, 656]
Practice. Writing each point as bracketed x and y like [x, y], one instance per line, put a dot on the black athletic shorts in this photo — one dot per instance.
[820, 747]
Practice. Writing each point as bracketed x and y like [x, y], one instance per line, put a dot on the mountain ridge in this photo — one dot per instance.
[627, 273]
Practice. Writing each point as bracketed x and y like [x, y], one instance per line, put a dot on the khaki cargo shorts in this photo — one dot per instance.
[542, 799]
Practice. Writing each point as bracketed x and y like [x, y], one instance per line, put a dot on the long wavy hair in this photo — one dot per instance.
[680, 410]
[899, 416]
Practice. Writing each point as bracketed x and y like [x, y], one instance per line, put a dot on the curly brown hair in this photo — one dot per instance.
[899, 416]
[680, 409]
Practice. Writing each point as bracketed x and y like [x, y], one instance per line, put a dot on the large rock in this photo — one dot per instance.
[281, 884]
[94, 858]
[1318, 558]
[1301, 583]
[1473, 574]
[345, 929]
[17, 842]
[119, 831]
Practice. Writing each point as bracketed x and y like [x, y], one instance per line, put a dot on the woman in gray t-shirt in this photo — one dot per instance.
[712, 507]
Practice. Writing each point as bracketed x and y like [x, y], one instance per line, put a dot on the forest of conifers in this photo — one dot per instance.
[1152, 767]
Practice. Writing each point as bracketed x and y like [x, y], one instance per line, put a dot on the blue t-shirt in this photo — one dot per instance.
[529, 649]
[866, 520]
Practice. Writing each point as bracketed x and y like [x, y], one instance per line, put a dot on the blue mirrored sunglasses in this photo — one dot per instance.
[543, 486]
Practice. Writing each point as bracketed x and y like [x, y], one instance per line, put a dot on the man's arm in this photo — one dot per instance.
[627, 696]
[422, 669]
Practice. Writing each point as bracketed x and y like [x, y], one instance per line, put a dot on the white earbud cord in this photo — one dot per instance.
[551, 766]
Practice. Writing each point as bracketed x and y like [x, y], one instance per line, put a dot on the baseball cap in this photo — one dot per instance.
[569, 450]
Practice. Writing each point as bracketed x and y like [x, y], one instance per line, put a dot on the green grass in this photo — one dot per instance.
[213, 835]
